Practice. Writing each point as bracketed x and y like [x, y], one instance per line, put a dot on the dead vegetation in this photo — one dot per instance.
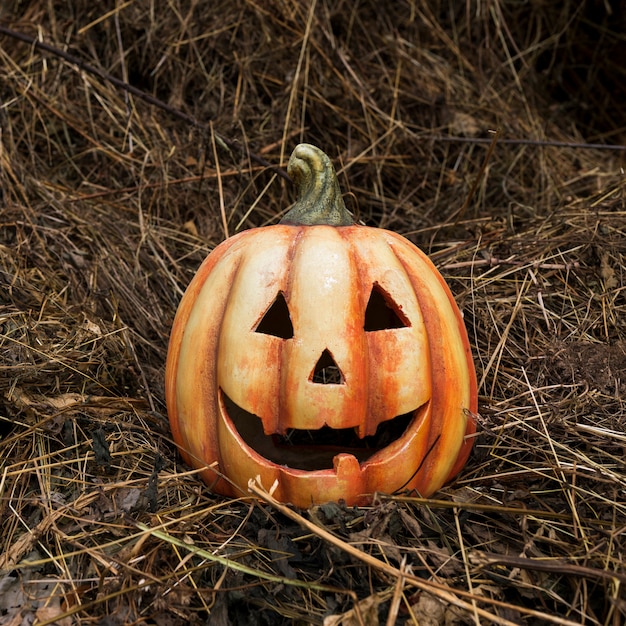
[109, 204]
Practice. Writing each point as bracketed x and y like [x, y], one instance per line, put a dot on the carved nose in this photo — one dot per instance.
[326, 371]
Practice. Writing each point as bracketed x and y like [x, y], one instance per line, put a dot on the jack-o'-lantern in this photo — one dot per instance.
[327, 358]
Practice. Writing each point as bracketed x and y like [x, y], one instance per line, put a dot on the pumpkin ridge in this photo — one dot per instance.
[439, 442]
[285, 355]
[356, 260]
[185, 308]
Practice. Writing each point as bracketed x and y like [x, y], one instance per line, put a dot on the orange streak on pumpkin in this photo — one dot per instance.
[397, 358]
[453, 373]
[251, 364]
[324, 308]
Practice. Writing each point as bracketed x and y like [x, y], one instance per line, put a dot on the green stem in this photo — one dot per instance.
[319, 196]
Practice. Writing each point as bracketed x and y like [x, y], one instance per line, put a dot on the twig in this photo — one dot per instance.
[493, 261]
[479, 177]
[128, 88]
[552, 565]
[220, 189]
[527, 142]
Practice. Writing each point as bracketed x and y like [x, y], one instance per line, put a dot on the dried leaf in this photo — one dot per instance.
[368, 608]
[429, 611]
[129, 499]
[446, 564]
[12, 595]
[190, 227]
[410, 523]
[47, 613]
[101, 448]
[464, 125]
[607, 273]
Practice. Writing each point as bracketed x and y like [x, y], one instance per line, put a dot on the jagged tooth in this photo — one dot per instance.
[361, 431]
[346, 466]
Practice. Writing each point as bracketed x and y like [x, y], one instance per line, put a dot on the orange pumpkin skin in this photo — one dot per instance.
[236, 390]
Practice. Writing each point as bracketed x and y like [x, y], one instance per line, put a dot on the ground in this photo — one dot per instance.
[491, 134]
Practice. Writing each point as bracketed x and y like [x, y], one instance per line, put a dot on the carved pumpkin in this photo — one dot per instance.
[326, 356]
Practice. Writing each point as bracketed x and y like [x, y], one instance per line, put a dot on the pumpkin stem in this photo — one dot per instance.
[319, 196]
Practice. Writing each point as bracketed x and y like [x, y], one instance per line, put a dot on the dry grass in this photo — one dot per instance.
[109, 204]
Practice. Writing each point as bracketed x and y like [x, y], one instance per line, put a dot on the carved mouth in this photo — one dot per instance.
[313, 449]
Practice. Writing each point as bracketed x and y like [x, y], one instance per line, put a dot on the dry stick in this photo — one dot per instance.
[483, 167]
[394, 607]
[443, 592]
[528, 142]
[146, 97]
[494, 261]
[296, 77]
[174, 181]
[549, 565]
[465, 562]
[475, 506]
[219, 183]
[497, 353]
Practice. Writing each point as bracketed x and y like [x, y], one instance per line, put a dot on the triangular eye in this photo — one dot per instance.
[276, 321]
[382, 312]
[326, 371]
